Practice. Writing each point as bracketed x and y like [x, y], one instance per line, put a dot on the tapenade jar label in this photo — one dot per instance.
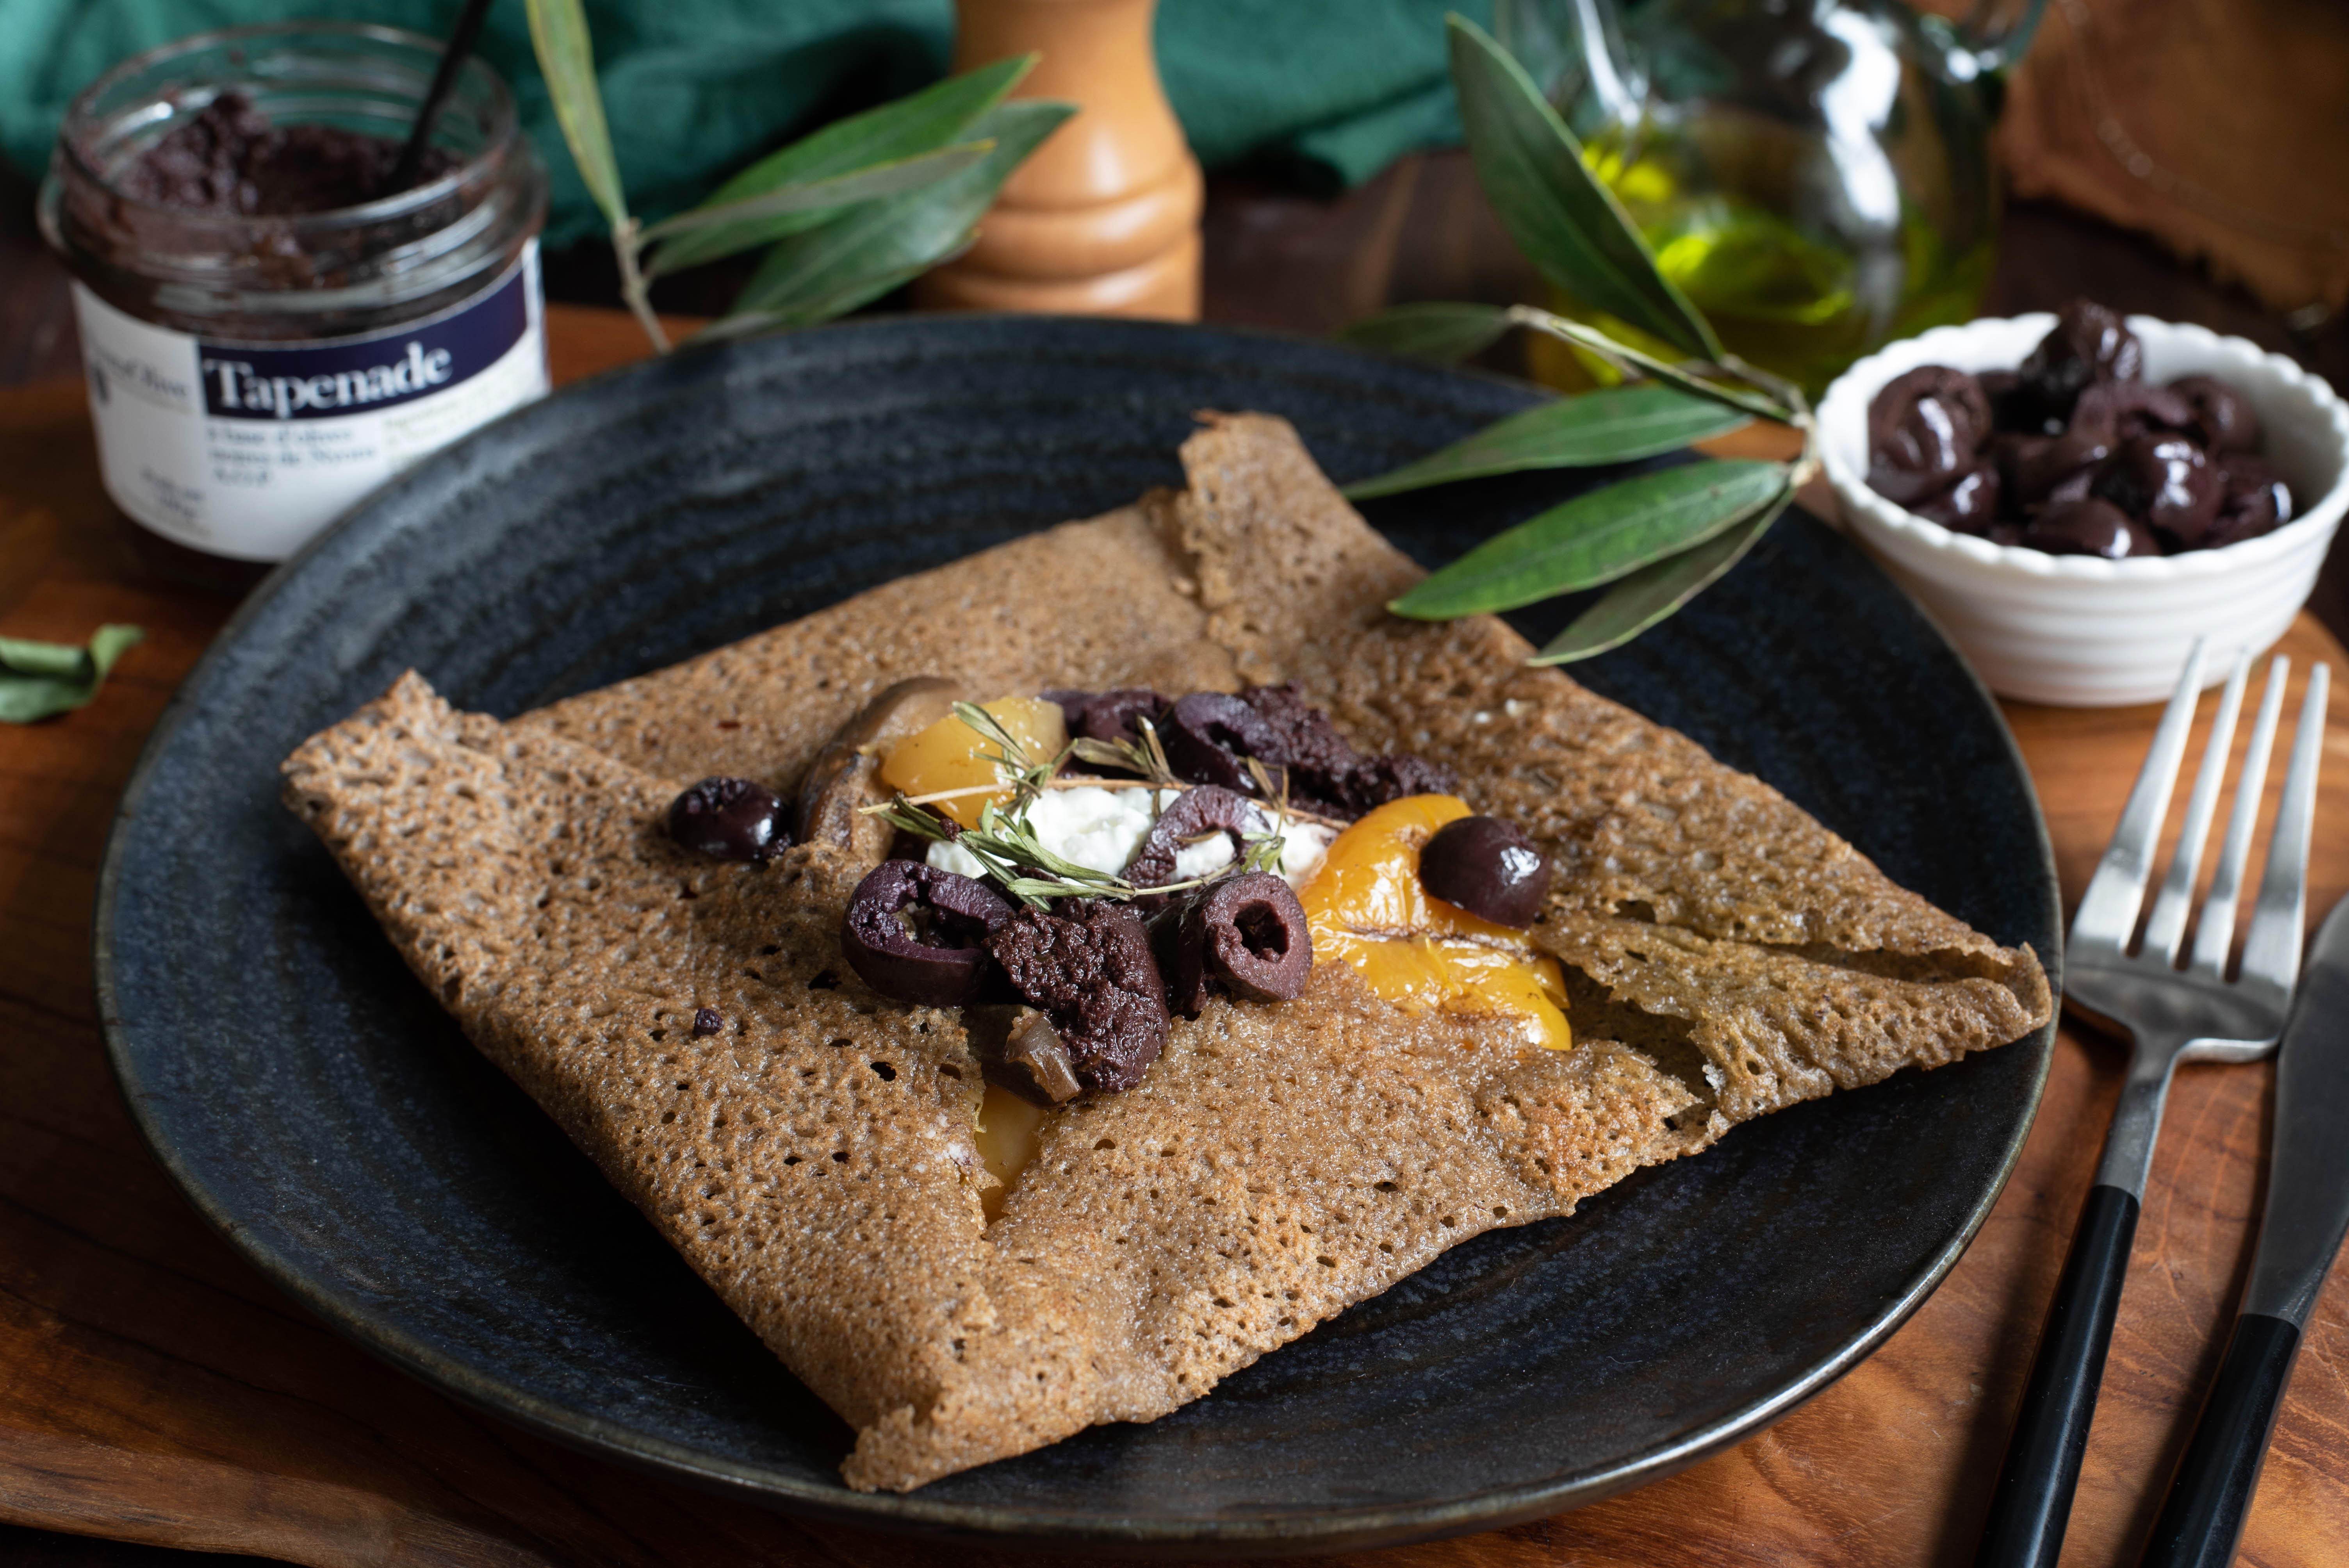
[246, 449]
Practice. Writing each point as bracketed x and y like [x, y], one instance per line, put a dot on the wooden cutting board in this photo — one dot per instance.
[154, 1389]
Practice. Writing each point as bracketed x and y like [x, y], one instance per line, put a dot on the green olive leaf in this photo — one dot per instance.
[1631, 362]
[896, 135]
[1614, 425]
[806, 205]
[1565, 221]
[40, 680]
[1442, 332]
[872, 248]
[857, 290]
[1658, 590]
[1597, 538]
[558, 32]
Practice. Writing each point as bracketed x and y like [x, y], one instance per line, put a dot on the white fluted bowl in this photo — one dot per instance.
[2078, 630]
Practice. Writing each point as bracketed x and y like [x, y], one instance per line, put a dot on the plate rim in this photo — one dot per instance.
[1336, 1529]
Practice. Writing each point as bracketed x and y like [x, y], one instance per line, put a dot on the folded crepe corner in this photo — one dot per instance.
[813, 1159]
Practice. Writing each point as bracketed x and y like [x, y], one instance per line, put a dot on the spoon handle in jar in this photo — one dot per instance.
[462, 38]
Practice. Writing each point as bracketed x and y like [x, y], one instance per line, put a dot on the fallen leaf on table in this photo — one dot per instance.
[38, 680]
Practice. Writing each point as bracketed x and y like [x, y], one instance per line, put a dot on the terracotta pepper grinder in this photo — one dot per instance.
[1103, 219]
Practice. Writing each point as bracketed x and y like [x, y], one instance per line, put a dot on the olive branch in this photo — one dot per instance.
[846, 214]
[1655, 539]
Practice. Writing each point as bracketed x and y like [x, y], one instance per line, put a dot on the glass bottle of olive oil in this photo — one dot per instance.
[1815, 174]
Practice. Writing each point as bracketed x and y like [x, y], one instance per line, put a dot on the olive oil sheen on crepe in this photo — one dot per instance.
[1278, 1164]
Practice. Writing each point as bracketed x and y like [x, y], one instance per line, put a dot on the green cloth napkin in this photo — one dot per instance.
[696, 89]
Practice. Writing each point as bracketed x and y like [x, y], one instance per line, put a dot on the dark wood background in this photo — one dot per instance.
[135, 1333]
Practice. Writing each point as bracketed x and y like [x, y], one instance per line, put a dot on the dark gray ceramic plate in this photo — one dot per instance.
[320, 1110]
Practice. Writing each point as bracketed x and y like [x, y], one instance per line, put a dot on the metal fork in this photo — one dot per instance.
[2169, 1015]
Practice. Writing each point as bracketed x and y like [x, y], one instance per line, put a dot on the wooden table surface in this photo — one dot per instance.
[153, 1388]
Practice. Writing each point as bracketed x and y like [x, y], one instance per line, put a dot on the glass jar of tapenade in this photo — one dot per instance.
[270, 329]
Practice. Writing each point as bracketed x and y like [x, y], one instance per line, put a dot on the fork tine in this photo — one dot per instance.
[2214, 934]
[2167, 924]
[2108, 912]
[2271, 948]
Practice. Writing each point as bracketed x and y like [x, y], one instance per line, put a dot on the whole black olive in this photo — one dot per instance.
[1246, 932]
[1487, 867]
[1208, 737]
[2223, 420]
[731, 818]
[2089, 528]
[1966, 506]
[2256, 502]
[1923, 430]
[2011, 409]
[2165, 482]
[2114, 412]
[2035, 469]
[2088, 343]
[916, 933]
[1208, 808]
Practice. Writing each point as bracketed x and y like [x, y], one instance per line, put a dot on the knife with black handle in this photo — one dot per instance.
[2307, 1213]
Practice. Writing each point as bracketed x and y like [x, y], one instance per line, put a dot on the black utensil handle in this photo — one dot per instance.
[2033, 1500]
[2203, 1517]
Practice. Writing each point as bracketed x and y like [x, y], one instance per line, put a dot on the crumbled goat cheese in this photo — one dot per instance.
[1101, 829]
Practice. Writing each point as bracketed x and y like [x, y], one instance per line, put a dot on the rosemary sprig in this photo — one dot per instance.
[1010, 753]
[1062, 782]
[1007, 849]
[1146, 756]
[1026, 776]
[907, 816]
[1262, 852]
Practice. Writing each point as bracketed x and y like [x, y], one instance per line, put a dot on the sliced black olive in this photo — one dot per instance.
[1487, 867]
[1209, 737]
[1246, 932]
[1111, 716]
[916, 933]
[732, 818]
[1195, 814]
